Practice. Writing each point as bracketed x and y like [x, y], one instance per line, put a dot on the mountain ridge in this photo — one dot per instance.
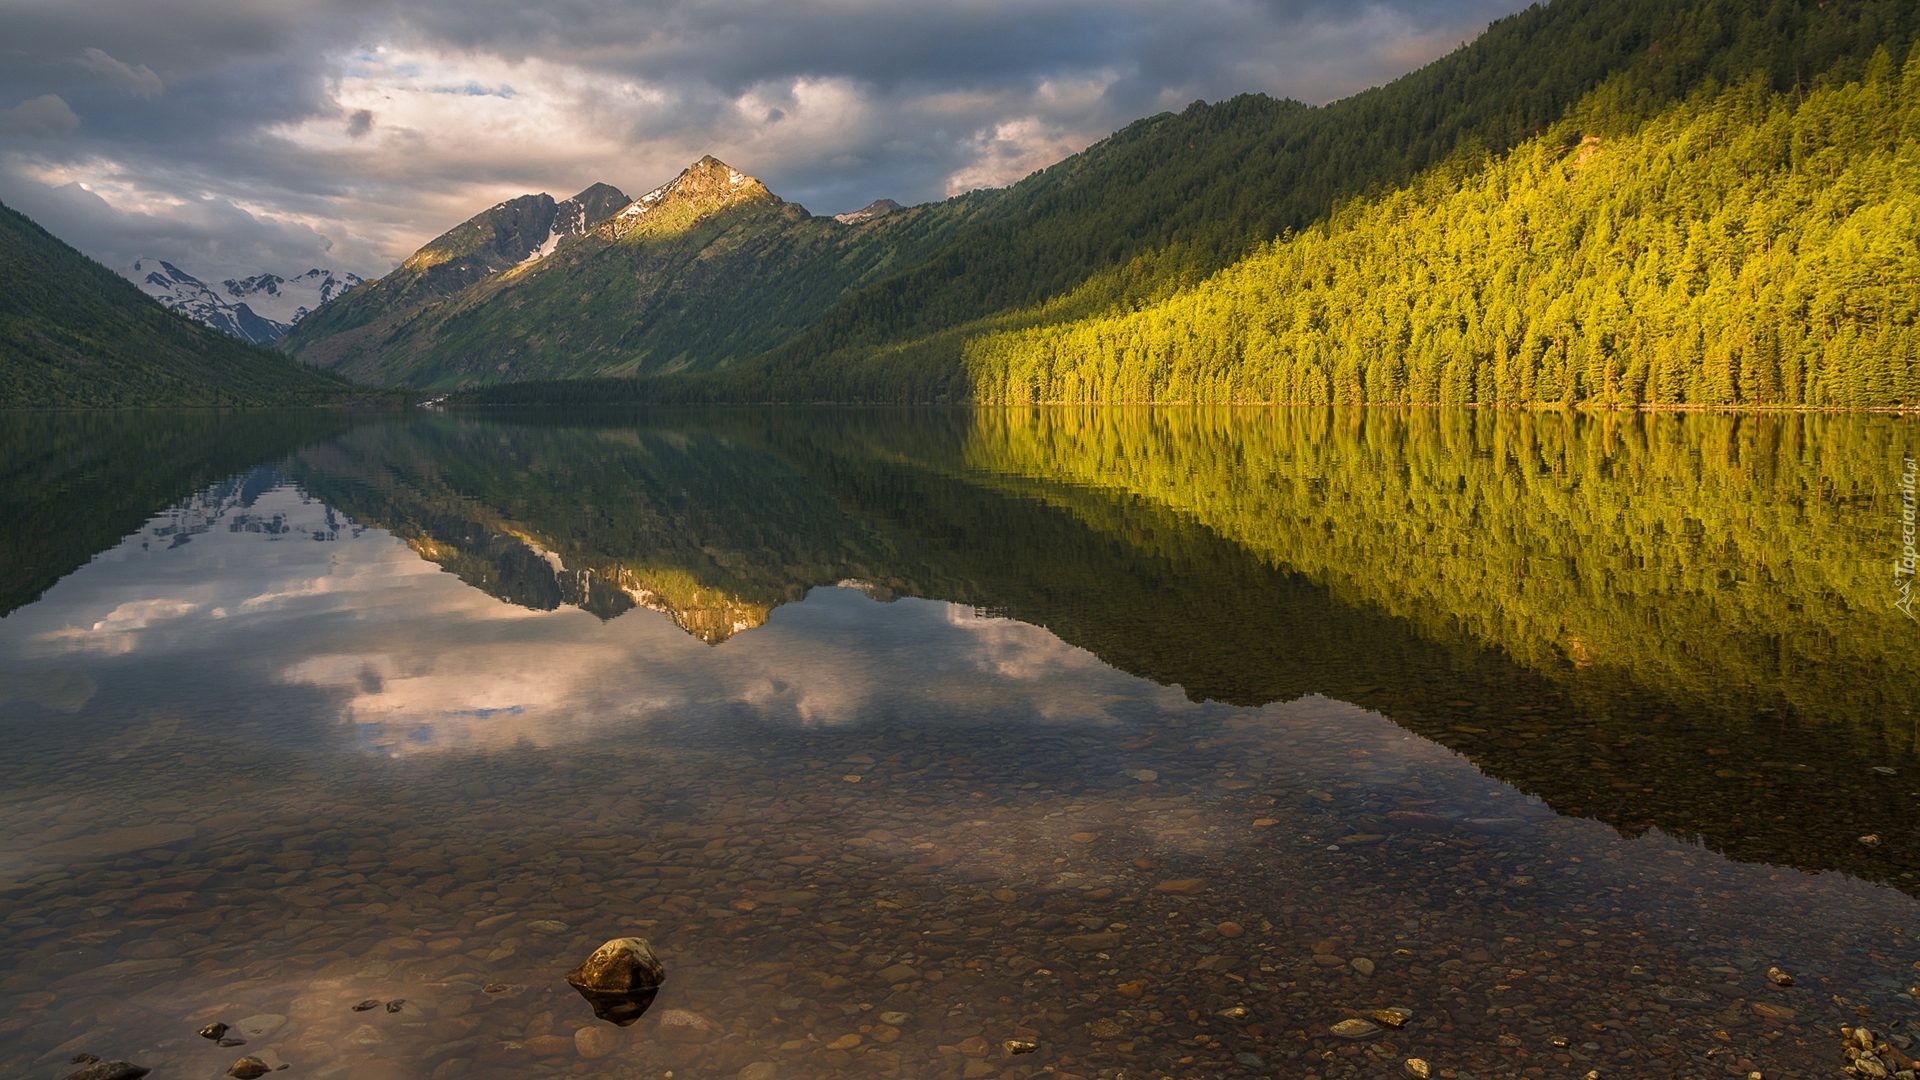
[510, 233]
[257, 309]
[704, 270]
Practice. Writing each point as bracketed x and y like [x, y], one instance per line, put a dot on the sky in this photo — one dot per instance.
[234, 137]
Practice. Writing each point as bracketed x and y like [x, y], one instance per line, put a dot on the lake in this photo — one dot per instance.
[1100, 743]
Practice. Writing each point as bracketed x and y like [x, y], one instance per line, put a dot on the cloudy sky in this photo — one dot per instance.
[238, 136]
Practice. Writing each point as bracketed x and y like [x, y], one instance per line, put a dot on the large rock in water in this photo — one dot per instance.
[619, 980]
[110, 1070]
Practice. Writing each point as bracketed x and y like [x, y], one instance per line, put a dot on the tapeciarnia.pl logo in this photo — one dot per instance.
[1903, 565]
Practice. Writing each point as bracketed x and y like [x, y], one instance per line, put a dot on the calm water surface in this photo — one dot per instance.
[1163, 740]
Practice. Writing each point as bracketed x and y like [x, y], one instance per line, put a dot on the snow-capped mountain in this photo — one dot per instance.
[257, 309]
[288, 300]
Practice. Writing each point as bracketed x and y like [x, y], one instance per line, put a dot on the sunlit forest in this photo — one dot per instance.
[1745, 247]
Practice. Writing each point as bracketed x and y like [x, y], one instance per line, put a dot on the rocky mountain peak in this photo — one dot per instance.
[875, 209]
[702, 188]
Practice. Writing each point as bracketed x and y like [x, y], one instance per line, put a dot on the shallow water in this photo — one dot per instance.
[904, 735]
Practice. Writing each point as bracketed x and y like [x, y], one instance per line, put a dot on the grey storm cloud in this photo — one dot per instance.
[44, 117]
[138, 79]
[246, 135]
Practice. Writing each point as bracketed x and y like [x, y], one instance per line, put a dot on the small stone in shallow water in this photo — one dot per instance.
[110, 1070]
[548, 926]
[231, 1041]
[1683, 995]
[1250, 1060]
[1355, 1028]
[370, 1003]
[1419, 1069]
[1393, 1018]
[594, 1041]
[248, 1068]
[1231, 929]
[1020, 1046]
[685, 1025]
[895, 1019]
[213, 1031]
[620, 979]
[83, 1059]
[1362, 965]
[496, 988]
[1778, 977]
[396, 1005]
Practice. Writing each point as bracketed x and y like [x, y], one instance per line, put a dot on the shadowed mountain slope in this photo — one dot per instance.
[74, 334]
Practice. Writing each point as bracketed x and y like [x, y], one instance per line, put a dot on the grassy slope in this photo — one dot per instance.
[75, 334]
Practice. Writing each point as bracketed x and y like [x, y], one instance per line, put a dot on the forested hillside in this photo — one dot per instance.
[75, 334]
[1137, 225]
[1745, 247]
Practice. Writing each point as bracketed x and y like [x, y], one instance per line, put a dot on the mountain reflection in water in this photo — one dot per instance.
[1205, 635]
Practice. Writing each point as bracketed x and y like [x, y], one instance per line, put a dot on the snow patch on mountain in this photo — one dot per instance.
[288, 300]
[257, 309]
[875, 209]
[575, 216]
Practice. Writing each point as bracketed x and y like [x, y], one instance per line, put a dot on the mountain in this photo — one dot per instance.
[75, 334]
[512, 233]
[257, 309]
[874, 209]
[1173, 199]
[288, 300]
[706, 270]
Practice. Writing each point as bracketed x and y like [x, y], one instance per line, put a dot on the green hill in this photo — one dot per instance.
[74, 334]
[1146, 217]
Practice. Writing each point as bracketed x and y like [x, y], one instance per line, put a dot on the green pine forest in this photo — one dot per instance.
[1743, 248]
